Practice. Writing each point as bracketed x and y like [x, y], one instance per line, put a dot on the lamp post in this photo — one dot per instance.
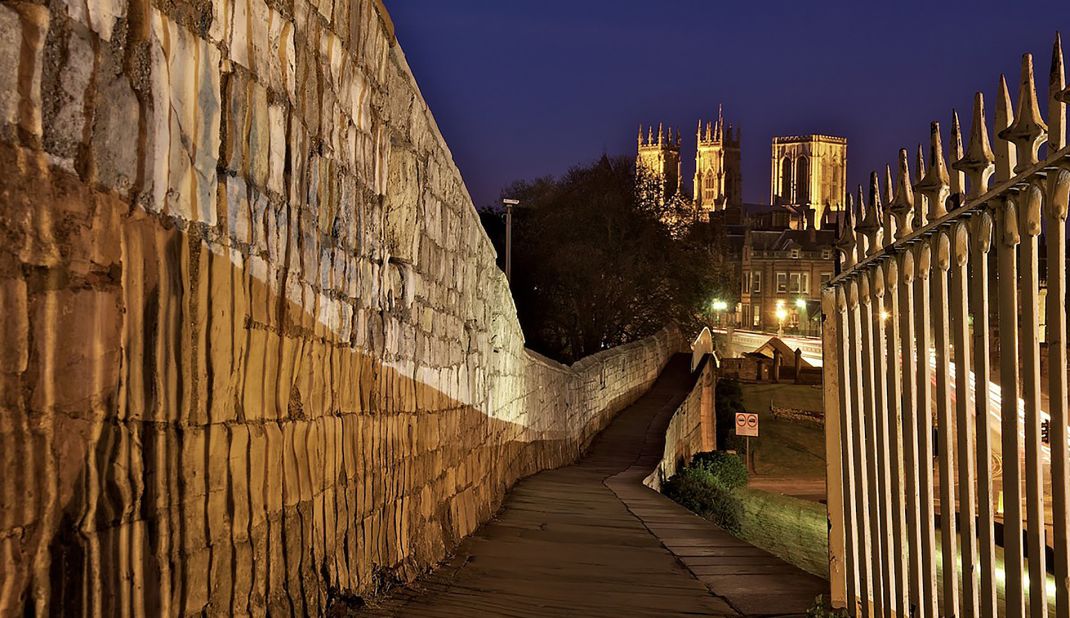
[509, 203]
[719, 307]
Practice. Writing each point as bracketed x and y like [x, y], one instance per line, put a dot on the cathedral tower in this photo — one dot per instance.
[809, 172]
[659, 160]
[718, 179]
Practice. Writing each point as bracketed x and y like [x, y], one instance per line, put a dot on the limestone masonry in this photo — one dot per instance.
[255, 352]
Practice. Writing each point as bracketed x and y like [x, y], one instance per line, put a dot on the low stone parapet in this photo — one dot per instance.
[692, 428]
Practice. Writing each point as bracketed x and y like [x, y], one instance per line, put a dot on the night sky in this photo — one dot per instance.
[526, 88]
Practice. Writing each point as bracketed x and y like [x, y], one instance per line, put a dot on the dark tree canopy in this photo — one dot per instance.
[594, 266]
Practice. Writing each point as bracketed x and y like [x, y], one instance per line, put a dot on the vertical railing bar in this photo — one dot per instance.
[1055, 236]
[949, 558]
[1008, 238]
[880, 423]
[926, 474]
[867, 590]
[834, 408]
[964, 417]
[847, 431]
[911, 463]
[869, 410]
[981, 243]
[894, 416]
[1029, 348]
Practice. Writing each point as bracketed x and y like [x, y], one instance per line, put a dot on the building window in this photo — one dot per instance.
[825, 278]
[794, 285]
[782, 283]
[826, 254]
[804, 283]
[785, 180]
[802, 178]
[757, 318]
[794, 254]
[756, 282]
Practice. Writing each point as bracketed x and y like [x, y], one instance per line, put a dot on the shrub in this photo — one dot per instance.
[727, 468]
[698, 491]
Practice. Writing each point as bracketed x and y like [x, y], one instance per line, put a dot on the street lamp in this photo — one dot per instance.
[719, 307]
[781, 315]
[509, 203]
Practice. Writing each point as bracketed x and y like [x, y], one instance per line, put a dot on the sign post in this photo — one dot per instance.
[747, 426]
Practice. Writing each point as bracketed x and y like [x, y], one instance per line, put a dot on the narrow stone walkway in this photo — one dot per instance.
[591, 540]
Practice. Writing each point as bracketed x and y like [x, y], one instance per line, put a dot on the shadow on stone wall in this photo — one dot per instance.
[179, 436]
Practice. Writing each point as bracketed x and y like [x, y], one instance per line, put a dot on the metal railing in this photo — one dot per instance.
[908, 335]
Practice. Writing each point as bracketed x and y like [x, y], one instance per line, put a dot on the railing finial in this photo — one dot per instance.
[846, 241]
[958, 179]
[1028, 131]
[1006, 160]
[870, 225]
[1056, 98]
[977, 162]
[919, 205]
[889, 186]
[888, 221]
[902, 204]
[935, 183]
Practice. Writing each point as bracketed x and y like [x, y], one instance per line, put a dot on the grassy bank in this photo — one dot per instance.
[791, 529]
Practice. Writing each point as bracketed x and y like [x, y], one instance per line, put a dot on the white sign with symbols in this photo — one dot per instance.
[747, 424]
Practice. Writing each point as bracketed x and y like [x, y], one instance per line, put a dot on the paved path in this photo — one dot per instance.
[590, 540]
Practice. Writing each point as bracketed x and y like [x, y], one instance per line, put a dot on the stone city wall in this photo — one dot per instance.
[688, 433]
[255, 352]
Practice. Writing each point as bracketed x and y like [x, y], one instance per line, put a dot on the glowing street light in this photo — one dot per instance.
[719, 307]
[800, 303]
[781, 315]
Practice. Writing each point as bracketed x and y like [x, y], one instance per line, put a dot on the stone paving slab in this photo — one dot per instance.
[584, 541]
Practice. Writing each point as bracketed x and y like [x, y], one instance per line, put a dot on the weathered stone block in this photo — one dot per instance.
[76, 334]
[16, 326]
[23, 30]
[66, 109]
[99, 15]
[10, 55]
[186, 117]
[115, 132]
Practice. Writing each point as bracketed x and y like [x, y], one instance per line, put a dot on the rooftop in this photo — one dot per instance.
[813, 137]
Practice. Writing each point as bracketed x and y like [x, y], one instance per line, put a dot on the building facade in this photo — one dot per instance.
[809, 171]
[718, 176]
[658, 160]
[781, 279]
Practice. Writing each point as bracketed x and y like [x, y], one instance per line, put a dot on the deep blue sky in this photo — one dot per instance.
[525, 88]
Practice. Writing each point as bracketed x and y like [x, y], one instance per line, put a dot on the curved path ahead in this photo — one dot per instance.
[591, 540]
